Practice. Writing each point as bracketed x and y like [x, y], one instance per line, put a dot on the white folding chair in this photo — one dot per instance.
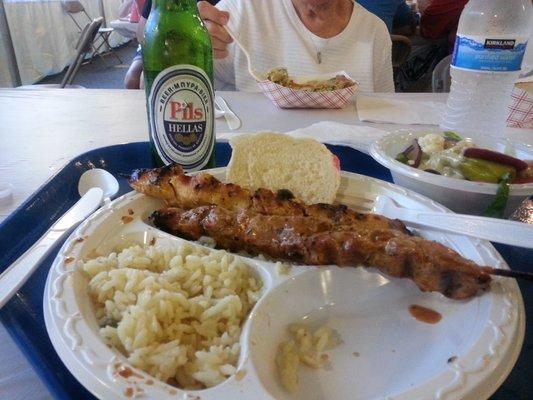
[73, 7]
[84, 46]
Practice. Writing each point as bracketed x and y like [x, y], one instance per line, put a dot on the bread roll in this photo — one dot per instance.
[276, 161]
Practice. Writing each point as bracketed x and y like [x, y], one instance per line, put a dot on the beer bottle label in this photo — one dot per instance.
[181, 116]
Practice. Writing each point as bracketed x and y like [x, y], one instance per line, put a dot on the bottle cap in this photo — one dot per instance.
[6, 193]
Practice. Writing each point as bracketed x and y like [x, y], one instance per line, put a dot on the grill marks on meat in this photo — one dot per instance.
[155, 182]
[180, 190]
[316, 241]
[319, 234]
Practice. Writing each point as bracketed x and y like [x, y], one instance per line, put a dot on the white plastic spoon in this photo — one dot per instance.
[99, 178]
[93, 186]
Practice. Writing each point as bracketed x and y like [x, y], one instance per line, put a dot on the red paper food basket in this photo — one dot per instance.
[520, 109]
[285, 97]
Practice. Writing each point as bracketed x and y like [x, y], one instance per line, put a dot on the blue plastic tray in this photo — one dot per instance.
[23, 315]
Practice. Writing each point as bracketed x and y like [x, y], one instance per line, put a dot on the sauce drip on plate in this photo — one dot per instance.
[127, 372]
[424, 314]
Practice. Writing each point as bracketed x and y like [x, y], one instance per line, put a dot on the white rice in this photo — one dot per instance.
[282, 268]
[306, 347]
[174, 311]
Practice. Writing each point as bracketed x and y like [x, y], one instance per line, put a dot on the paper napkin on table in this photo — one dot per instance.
[354, 136]
[394, 111]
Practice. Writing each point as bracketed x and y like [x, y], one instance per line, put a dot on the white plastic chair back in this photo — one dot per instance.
[441, 79]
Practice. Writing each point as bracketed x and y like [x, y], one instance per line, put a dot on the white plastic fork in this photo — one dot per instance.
[218, 113]
[256, 75]
[232, 120]
[495, 230]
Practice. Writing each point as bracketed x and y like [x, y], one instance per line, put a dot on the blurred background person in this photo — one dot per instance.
[396, 14]
[439, 19]
[133, 78]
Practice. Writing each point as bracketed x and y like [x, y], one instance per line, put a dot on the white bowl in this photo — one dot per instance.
[461, 196]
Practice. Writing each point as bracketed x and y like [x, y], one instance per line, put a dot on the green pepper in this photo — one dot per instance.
[497, 207]
[402, 158]
[478, 170]
[452, 135]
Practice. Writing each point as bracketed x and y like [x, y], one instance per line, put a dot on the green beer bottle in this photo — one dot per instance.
[178, 73]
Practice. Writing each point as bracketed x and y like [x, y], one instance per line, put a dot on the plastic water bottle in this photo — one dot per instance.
[489, 48]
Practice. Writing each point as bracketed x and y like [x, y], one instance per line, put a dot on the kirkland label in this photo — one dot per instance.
[181, 116]
[491, 54]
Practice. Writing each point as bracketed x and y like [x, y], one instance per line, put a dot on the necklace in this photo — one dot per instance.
[317, 49]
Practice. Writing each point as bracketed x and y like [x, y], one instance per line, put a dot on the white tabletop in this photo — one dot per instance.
[41, 130]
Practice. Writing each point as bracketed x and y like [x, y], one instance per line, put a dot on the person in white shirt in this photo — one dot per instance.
[306, 36]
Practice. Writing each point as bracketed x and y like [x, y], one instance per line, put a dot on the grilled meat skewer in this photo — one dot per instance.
[315, 241]
[180, 190]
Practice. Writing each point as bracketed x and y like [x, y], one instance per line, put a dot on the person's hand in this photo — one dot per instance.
[214, 19]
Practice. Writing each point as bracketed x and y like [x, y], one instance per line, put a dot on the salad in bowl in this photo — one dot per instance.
[450, 155]
[481, 175]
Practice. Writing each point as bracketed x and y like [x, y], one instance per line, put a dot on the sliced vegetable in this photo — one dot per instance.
[475, 164]
[452, 136]
[477, 170]
[519, 180]
[416, 154]
[497, 207]
[412, 155]
[526, 175]
[402, 158]
[449, 143]
[496, 157]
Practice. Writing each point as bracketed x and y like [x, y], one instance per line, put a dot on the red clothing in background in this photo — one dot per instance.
[440, 19]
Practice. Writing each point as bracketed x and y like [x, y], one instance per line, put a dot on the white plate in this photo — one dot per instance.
[386, 353]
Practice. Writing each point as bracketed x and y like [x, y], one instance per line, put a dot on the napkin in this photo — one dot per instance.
[354, 136]
[393, 111]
